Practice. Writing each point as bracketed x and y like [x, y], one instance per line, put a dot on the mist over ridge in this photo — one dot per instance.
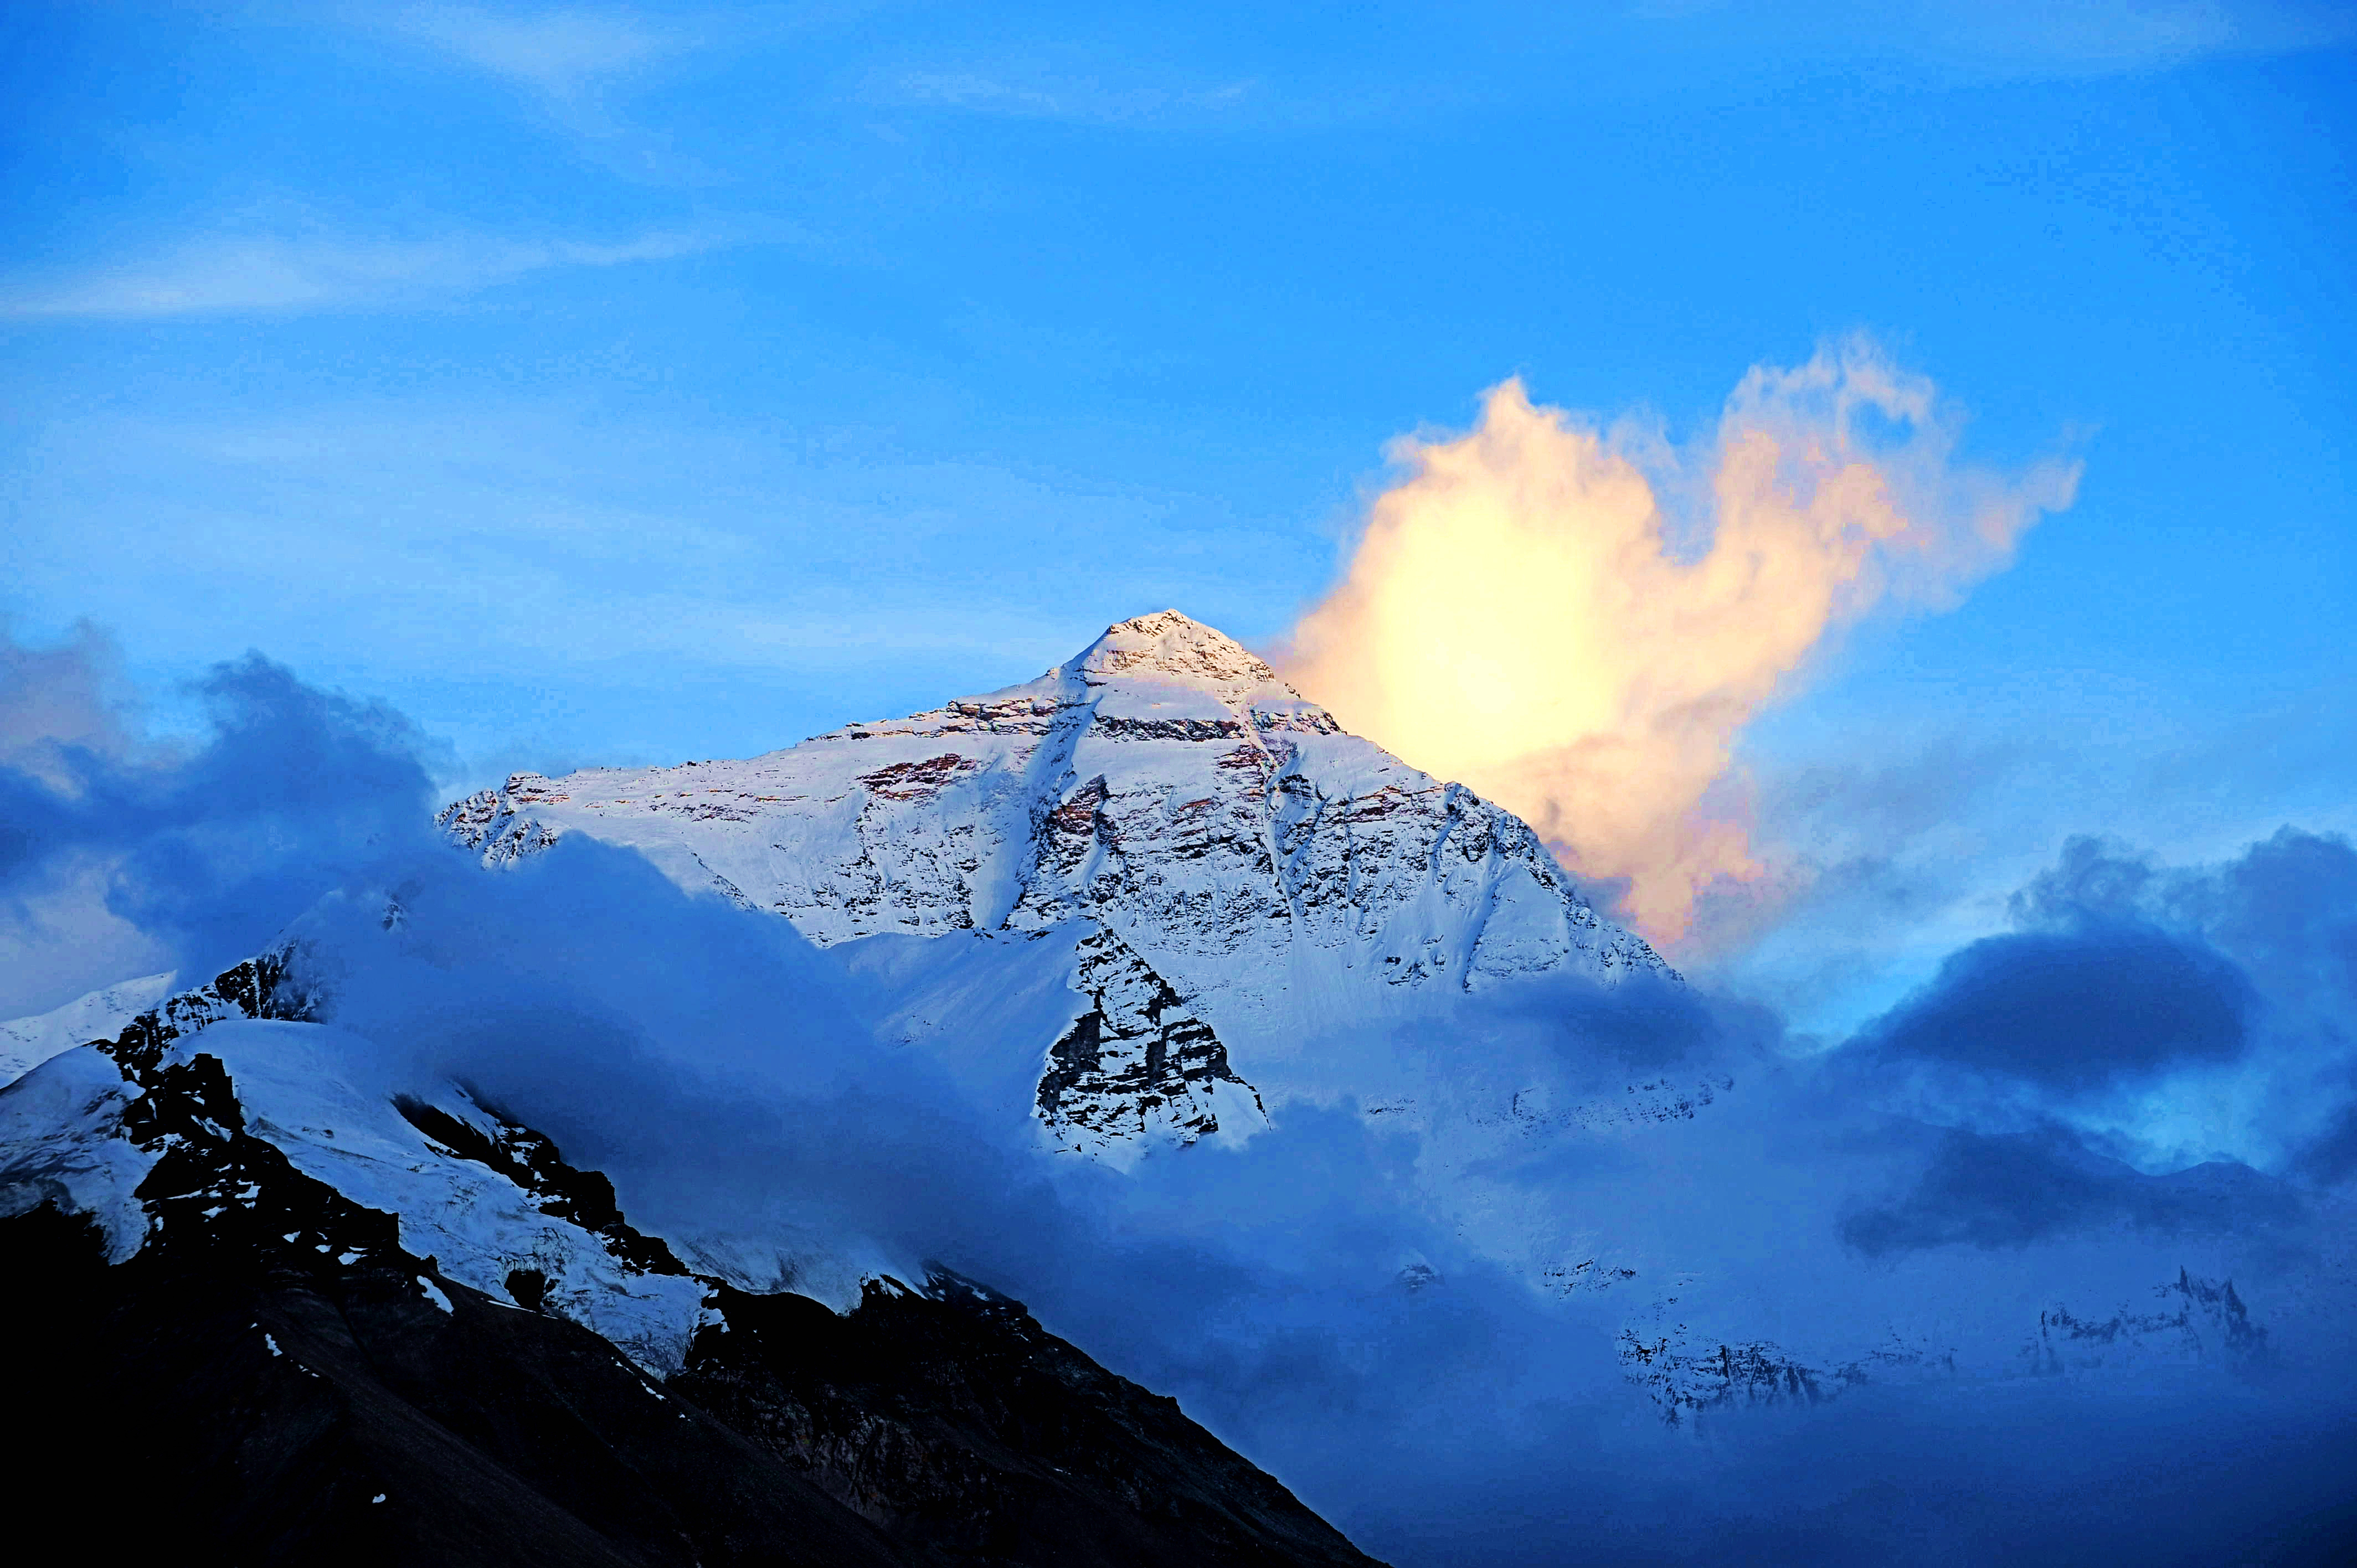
[1936, 1207]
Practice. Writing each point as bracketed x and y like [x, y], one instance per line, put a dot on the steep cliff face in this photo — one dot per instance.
[1163, 787]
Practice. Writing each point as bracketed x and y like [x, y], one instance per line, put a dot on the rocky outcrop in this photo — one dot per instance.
[2188, 1321]
[1684, 1381]
[1647, 1102]
[26, 1043]
[268, 985]
[1137, 1063]
[530, 1161]
[498, 825]
[1687, 1372]
[225, 1396]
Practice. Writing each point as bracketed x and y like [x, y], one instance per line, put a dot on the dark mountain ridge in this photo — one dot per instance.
[272, 1378]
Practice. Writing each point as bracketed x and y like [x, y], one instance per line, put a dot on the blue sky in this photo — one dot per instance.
[620, 384]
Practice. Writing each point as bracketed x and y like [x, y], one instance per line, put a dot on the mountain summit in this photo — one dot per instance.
[1168, 643]
[1232, 870]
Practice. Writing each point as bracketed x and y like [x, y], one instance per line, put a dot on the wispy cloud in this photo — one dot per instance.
[2103, 37]
[2014, 39]
[226, 274]
[1347, 72]
[563, 53]
[1043, 95]
[580, 70]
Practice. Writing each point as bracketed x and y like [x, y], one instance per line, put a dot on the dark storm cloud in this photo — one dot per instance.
[2124, 973]
[2289, 906]
[2008, 1189]
[209, 848]
[2286, 908]
[2123, 968]
[2074, 1010]
[2284, 913]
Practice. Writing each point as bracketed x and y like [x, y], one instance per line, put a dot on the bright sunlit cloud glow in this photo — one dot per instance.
[1518, 614]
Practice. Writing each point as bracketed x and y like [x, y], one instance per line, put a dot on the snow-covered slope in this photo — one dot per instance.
[25, 1043]
[1163, 783]
[86, 1130]
[1244, 857]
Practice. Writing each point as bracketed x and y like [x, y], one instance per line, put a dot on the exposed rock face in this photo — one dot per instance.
[1688, 1373]
[224, 1397]
[1138, 1062]
[496, 823]
[1164, 786]
[2188, 1321]
[951, 1419]
[530, 1160]
[264, 986]
[1643, 1103]
[104, 1129]
[279, 1374]
[1685, 1379]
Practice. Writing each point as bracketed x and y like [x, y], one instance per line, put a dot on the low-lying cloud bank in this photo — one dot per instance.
[2153, 1071]
[2180, 1014]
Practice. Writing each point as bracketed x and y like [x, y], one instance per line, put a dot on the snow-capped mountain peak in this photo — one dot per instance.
[1271, 872]
[1163, 671]
[1171, 646]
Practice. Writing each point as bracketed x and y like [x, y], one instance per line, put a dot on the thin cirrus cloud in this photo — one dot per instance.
[276, 273]
[2093, 37]
[1085, 99]
[560, 54]
[2008, 39]
[1318, 72]
[579, 70]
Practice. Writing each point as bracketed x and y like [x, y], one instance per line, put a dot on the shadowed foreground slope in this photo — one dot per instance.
[270, 1378]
